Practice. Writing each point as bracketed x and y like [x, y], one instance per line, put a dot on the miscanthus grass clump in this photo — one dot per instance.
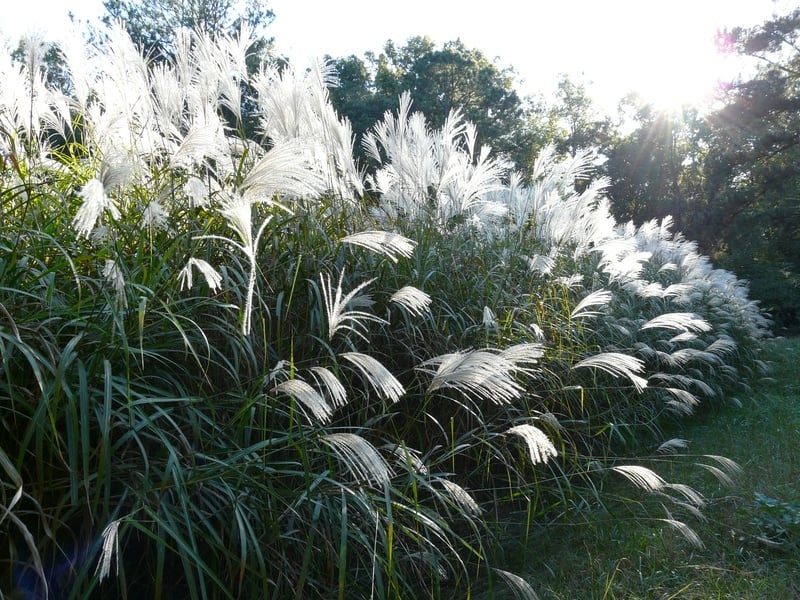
[238, 367]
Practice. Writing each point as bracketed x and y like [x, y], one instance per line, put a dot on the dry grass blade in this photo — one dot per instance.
[8, 467]
[5, 513]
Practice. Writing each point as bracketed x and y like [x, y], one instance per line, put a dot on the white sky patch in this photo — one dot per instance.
[664, 49]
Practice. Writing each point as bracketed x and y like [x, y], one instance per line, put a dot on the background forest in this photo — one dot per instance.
[270, 330]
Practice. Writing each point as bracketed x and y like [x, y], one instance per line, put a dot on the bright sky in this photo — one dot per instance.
[664, 49]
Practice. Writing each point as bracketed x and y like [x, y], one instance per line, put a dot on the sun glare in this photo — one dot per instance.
[668, 69]
[671, 82]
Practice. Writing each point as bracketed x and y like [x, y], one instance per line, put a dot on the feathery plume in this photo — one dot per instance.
[523, 354]
[476, 373]
[408, 457]
[642, 477]
[541, 265]
[520, 588]
[391, 245]
[336, 391]
[460, 496]
[693, 498]
[110, 550]
[113, 275]
[540, 448]
[681, 401]
[336, 308]
[376, 374]
[673, 446]
[95, 203]
[307, 396]
[489, 318]
[618, 365]
[598, 298]
[359, 457]
[197, 192]
[154, 216]
[412, 299]
[723, 475]
[687, 322]
[687, 532]
[282, 171]
[212, 277]
[237, 211]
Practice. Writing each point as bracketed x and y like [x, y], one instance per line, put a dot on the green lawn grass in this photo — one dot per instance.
[751, 532]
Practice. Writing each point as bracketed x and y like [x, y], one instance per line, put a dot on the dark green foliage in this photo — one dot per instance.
[439, 80]
[656, 170]
[778, 521]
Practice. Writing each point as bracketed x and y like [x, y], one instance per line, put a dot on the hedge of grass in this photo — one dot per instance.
[236, 368]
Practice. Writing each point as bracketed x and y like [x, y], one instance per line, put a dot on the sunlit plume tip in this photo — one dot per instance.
[540, 448]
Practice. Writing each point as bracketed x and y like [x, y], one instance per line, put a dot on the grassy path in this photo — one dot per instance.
[751, 532]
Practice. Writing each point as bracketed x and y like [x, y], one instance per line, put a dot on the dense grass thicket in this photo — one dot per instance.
[238, 369]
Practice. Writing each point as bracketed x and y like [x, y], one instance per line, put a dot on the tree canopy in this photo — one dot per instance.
[152, 23]
[750, 207]
[439, 80]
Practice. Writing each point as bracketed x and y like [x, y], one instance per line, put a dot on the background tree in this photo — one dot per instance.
[152, 23]
[656, 169]
[752, 174]
[355, 94]
[439, 80]
[580, 124]
[569, 120]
